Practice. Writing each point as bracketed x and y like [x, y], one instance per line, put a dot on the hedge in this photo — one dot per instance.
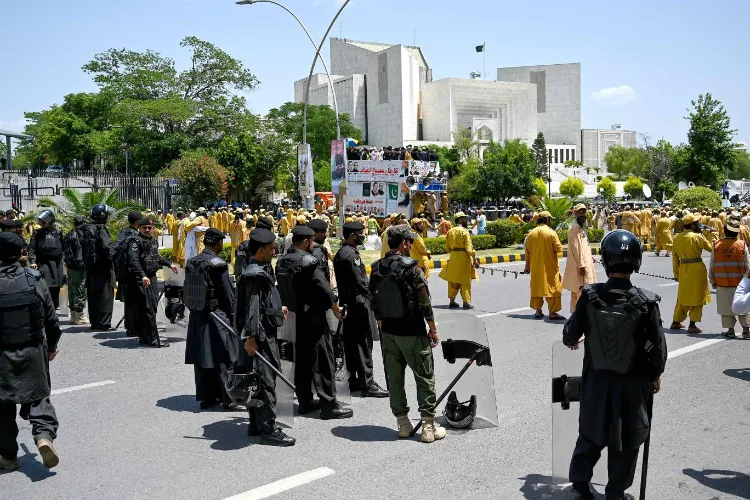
[563, 235]
[480, 242]
[699, 198]
[506, 232]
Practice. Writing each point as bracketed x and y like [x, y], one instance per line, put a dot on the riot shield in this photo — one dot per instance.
[286, 338]
[566, 383]
[463, 336]
[172, 300]
[343, 395]
[64, 309]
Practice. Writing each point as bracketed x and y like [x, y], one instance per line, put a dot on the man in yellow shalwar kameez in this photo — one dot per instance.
[169, 222]
[663, 233]
[175, 238]
[181, 235]
[237, 233]
[419, 251]
[646, 219]
[515, 217]
[287, 223]
[542, 249]
[628, 220]
[462, 264]
[579, 266]
[200, 220]
[690, 271]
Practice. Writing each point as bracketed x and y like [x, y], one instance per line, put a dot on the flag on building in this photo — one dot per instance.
[480, 48]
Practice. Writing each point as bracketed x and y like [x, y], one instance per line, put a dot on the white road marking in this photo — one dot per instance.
[693, 347]
[509, 311]
[84, 386]
[283, 485]
[669, 284]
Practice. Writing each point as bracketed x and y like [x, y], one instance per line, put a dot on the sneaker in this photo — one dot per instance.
[431, 431]
[8, 463]
[49, 455]
[405, 427]
[82, 319]
[374, 391]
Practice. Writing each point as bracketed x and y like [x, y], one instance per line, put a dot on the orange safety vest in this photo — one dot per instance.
[729, 262]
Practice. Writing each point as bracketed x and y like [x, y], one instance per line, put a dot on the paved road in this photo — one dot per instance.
[139, 435]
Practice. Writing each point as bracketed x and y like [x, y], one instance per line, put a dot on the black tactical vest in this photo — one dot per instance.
[321, 253]
[271, 308]
[612, 342]
[394, 298]
[287, 267]
[21, 311]
[49, 243]
[150, 256]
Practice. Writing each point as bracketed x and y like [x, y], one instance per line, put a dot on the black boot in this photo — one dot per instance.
[374, 391]
[583, 490]
[336, 412]
[308, 407]
[277, 438]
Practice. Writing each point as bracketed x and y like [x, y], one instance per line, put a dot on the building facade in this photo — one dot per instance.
[596, 142]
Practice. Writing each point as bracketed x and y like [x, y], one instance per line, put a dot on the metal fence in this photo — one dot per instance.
[22, 190]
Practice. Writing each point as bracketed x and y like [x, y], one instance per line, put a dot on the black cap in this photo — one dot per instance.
[10, 246]
[302, 230]
[354, 226]
[6, 224]
[318, 225]
[262, 236]
[134, 217]
[213, 234]
[146, 221]
[264, 223]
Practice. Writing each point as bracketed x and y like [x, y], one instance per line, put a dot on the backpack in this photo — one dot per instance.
[79, 248]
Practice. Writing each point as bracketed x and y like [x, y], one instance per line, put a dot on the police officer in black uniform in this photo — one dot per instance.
[118, 255]
[243, 254]
[622, 366]
[100, 277]
[46, 253]
[142, 262]
[28, 342]
[353, 292]
[306, 292]
[210, 347]
[258, 317]
[16, 226]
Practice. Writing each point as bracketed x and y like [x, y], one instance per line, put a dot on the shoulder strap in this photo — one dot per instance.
[592, 292]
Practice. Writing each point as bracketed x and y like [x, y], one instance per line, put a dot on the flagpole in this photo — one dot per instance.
[484, 53]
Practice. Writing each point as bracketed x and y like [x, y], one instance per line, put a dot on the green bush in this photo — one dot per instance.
[540, 187]
[608, 187]
[506, 232]
[480, 242]
[699, 198]
[572, 187]
[562, 233]
[595, 235]
[483, 241]
[166, 253]
[634, 187]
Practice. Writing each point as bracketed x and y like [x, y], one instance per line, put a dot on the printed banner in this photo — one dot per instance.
[338, 164]
[376, 170]
[366, 204]
[305, 174]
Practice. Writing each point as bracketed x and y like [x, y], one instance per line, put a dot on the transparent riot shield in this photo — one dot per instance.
[343, 395]
[286, 339]
[171, 303]
[64, 309]
[463, 335]
[566, 373]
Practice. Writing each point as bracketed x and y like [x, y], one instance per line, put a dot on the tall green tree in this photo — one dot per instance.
[710, 140]
[450, 159]
[539, 152]
[507, 170]
[465, 141]
[741, 166]
[202, 179]
[623, 161]
[287, 120]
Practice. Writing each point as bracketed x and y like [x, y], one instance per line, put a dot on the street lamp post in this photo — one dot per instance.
[549, 174]
[317, 55]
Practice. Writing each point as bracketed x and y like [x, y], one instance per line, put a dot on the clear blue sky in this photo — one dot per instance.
[642, 61]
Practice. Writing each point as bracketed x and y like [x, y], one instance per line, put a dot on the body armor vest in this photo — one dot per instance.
[321, 253]
[611, 342]
[151, 257]
[271, 308]
[197, 289]
[393, 296]
[21, 310]
[49, 244]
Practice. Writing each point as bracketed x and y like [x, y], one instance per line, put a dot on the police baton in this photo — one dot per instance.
[157, 305]
[646, 446]
[257, 354]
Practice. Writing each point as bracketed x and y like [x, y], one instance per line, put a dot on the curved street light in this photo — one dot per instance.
[317, 55]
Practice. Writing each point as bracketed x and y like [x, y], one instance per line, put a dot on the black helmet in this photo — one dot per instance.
[460, 415]
[100, 213]
[242, 386]
[46, 215]
[621, 252]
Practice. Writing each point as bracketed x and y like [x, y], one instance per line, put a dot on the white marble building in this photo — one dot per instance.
[596, 143]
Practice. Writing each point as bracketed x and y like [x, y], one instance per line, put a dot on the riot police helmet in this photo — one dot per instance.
[460, 415]
[47, 216]
[621, 252]
[100, 213]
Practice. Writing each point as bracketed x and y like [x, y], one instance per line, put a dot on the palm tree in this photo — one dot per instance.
[557, 207]
[77, 203]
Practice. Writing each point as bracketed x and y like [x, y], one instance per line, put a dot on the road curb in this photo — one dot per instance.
[513, 257]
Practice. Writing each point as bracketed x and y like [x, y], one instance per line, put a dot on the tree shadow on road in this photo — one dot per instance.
[725, 481]
[365, 433]
[740, 373]
[538, 487]
[228, 434]
[185, 402]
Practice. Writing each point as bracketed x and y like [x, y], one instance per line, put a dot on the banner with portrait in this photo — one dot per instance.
[338, 164]
[305, 173]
